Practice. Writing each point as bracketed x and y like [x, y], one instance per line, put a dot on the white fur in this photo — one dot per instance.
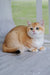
[38, 42]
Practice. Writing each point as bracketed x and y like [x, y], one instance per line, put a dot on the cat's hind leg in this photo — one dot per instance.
[21, 49]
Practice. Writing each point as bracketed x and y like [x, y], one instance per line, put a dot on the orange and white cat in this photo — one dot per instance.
[23, 38]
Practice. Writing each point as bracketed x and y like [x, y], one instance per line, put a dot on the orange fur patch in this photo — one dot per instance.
[42, 48]
[35, 24]
[40, 28]
[35, 49]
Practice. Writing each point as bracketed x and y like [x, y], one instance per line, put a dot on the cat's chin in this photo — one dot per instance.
[36, 36]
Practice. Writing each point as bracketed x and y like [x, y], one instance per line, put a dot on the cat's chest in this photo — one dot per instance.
[38, 42]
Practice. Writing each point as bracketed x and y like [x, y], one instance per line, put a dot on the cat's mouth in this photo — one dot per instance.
[34, 33]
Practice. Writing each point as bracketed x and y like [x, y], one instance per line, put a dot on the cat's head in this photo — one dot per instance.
[35, 30]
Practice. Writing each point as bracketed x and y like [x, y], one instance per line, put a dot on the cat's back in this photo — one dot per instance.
[19, 28]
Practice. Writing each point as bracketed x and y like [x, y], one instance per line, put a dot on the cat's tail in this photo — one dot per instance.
[9, 50]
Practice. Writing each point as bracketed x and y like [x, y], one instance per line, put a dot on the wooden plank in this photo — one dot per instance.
[39, 10]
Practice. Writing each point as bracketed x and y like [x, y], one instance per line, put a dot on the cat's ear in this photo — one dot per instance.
[29, 23]
[42, 22]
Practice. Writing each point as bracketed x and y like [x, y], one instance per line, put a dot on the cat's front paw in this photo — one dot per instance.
[42, 48]
[35, 50]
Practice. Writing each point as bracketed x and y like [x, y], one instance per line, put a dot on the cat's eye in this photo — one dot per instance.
[31, 28]
[37, 28]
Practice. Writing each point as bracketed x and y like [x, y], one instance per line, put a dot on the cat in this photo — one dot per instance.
[23, 38]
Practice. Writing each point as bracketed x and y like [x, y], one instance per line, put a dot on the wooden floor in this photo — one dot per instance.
[26, 64]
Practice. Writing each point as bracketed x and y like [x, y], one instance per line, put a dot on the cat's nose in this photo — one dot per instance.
[33, 31]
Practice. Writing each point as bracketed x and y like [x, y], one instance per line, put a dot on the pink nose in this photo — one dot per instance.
[33, 31]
